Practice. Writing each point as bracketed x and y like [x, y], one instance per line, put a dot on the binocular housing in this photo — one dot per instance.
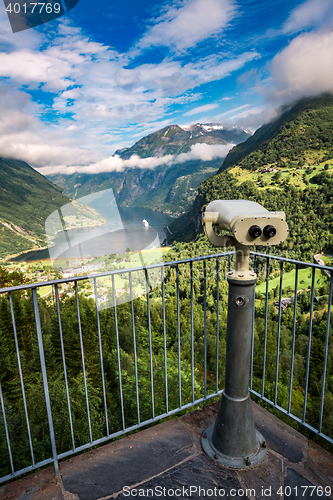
[249, 222]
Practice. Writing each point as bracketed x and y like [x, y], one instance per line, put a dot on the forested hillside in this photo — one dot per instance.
[288, 166]
[27, 198]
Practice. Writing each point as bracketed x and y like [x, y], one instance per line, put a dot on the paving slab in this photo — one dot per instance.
[42, 485]
[167, 461]
[127, 461]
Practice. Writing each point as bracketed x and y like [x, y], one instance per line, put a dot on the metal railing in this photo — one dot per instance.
[73, 376]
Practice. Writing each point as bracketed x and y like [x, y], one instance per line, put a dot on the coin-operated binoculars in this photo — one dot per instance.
[233, 441]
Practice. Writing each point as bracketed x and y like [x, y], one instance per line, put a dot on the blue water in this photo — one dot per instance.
[135, 236]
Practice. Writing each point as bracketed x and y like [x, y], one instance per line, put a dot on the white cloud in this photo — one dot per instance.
[246, 117]
[91, 83]
[24, 136]
[304, 68]
[310, 14]
[200, 109]
[189, 22]
[9, 41]
[35, 68]
[85, 102]
[253, 118]
[203, 152]
[231, 111]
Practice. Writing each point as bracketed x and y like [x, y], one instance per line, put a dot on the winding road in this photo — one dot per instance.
[318, 260]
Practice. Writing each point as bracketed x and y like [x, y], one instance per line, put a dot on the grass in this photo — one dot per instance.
[328, 259]
[44, 290]
[294, 175]
[304, 280]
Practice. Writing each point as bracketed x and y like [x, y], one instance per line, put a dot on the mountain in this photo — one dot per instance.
[174, 140]
[286, 165]
[169, 187]
[304, 127]
[27, 198]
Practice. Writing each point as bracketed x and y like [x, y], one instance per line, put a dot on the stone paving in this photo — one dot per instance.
[167, 461]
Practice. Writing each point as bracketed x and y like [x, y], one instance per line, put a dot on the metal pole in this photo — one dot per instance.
[45, 384]
[233, 441]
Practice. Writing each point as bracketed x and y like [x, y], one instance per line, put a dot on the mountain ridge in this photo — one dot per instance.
[174, 139]
[169, 187]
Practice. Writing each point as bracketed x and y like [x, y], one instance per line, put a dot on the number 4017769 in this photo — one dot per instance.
[305, 491]
[34, 7]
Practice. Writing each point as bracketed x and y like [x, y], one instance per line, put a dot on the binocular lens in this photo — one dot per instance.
[269, 231]
[255, 231]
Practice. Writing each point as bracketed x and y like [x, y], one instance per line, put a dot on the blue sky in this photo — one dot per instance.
[75, 90]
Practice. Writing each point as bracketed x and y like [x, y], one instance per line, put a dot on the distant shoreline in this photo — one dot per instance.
[10, 257]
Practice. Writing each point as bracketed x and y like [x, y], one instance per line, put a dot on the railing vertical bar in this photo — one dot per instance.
[45, 384]
[178, 339]
[217, 322]
[192, 331]
[252, 329]
[309, 345]
[134, 348]
[6, 431]
[265, 337]
[118, 352]
[64, 364]
[278, 336]
[164, 345]
[150, 346]
[101, 358]
[82, 358]
[21, 378]
[325, 354]
[293, 340]
[205, 330]
[252, 347]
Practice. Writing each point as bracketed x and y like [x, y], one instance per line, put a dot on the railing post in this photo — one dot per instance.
[233, 441]
[45, 384]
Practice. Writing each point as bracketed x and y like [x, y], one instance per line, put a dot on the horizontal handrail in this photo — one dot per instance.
[114, 272]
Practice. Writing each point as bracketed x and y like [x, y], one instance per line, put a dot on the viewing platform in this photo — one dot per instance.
[167, 461]
[75, 379]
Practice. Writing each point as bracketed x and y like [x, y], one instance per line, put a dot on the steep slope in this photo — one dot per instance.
[164, 188]
[171, 187]
[286, 165]
[27, 198]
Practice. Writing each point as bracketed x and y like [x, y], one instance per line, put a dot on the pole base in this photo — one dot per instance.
[233, 462]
